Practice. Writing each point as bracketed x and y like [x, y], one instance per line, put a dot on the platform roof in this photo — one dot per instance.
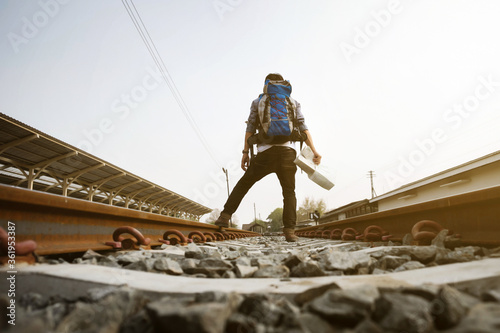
[35, 160]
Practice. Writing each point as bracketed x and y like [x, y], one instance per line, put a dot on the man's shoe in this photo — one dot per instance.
[223, 221]
[290, 235]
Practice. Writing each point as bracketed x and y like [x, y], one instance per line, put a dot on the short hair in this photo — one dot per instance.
[274, 77]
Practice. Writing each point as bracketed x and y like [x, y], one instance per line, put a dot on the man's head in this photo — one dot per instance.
[274, 77]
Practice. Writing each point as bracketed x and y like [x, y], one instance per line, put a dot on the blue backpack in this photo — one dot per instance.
[277, 114]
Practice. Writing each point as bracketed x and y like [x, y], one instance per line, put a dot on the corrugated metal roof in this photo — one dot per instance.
[35, 160]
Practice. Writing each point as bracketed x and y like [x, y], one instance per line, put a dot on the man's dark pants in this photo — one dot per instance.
[277, 160]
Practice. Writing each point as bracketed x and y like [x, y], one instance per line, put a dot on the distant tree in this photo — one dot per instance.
[234, 221]
[276, 219]
[309, 205]
[214, 215]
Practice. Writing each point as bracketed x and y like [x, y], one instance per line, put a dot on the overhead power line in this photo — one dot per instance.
[153, 51]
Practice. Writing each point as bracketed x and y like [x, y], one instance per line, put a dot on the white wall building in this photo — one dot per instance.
[475, 175]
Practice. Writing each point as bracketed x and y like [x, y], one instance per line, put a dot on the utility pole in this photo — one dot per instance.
[227, 181]
[371, 174]
[254, 212]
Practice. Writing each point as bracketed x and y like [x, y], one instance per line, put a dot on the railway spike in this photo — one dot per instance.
[176, 237]
[197, 237]
[128, 243]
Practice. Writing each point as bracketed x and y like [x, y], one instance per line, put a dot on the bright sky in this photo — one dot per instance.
[403, 88]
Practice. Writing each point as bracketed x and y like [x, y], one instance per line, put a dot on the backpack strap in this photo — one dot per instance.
[296, 134]
[263, 111]
[292, 109]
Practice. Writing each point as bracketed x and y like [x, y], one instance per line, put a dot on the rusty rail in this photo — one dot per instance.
[63, 225]
[475, 216]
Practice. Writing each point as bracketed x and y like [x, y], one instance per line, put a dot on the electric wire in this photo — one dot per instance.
[143, 32]
[153, 51]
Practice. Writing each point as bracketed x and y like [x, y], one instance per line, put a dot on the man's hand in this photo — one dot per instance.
[309, 142]
[245, 162]
[317, 158]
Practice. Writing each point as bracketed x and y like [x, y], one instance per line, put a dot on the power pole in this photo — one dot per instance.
[371, 174]
[227, 181]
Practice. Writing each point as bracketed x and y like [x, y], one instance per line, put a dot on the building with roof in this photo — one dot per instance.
[352, 209]
[474, 175]
[254, 226]
[305, 223]
[34, 160]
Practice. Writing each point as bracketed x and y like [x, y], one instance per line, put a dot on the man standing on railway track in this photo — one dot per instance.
[279, 121]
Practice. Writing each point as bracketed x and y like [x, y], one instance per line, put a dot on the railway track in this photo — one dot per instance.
[473, 218]
[354, 266]
[63, 225]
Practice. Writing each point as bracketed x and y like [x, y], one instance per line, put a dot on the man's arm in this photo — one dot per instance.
[309, 142]
[245, 160]
[303, 128]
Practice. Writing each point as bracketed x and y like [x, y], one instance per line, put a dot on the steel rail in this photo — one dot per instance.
[475, 216]
[63, 225]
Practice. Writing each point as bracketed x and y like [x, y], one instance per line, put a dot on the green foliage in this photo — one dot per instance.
[276, 219]
[309, 205]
